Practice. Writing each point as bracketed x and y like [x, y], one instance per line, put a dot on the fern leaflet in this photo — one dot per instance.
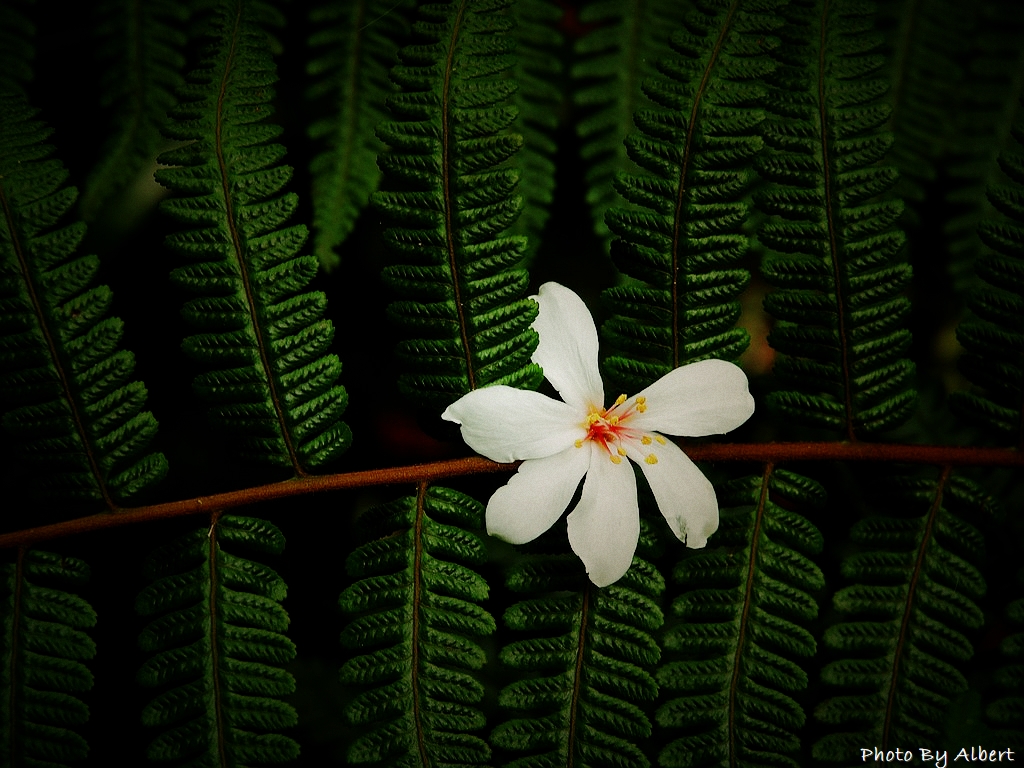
[42, 648]
[273, 381]
[356, 44]
[63, 383]
[462, 306]
[735, 655]
[1008, 711]
[902, 641]
[416, 618]
[840, 308]
[696, 146]
[218, 648]
[587, 667]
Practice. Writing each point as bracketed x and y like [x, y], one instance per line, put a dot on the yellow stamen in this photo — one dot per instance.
[621, 452]
[620, 400]
[660, 439]
[615, 459]
[592, 419]
[641, 400]
[646, 439]
[641, 407]
[613, 420]
[579, 443]
[651, 459]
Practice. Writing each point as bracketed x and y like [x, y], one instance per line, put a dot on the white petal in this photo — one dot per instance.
[536, 496]
[705, 398]
[568, 346]
[605, 525]
[507, 424]
[685, 497]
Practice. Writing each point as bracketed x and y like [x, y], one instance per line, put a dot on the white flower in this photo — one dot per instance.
[561, 442]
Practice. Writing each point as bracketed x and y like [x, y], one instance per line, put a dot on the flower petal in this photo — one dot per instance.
[605, 525]
[706, 398]
[507, 424]
[567, 350]
[536, 496]
[685, 497]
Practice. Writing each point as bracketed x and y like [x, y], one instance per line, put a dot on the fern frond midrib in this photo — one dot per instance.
[837, 275]
[577, 677]
[214, 648]
[51, 347]
[236, 242]
[683, 173]
[933, 513]
[417, 569]
[449, 193]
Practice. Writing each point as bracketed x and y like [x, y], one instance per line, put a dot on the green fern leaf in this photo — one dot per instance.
[1007, 712]
[538, 70]
[42, 650]
[734, 658]
[462, 306]
[993, 334]
[142, 42]
[65, 387]
[218, 649]
[613, 60]
[586, 668]
[696, 146]
[902, 638]
[840, 310]
[417, 618]
[356, 43]
[272, 381]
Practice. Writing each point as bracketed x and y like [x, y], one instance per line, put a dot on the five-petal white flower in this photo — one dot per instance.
[561, 442]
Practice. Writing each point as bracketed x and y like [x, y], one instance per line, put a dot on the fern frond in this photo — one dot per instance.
[586, 669]
[42, 649]
[613, 60]
[262, 334]
[684, 235]
[65, 387]
[355, 44]
[993, 335]
[16, 46]
[840, 310]
[1007, 712]
[416, 623]
[735, 658]
[538, 70]
[218, 649]
[462, 306]
[902, 639]
[142, 42]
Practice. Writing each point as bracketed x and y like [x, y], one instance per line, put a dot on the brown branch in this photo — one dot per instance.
[761, 453]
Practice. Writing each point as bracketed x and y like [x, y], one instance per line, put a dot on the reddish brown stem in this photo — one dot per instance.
[762, 453]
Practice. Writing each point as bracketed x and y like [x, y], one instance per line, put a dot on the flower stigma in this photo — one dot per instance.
[610, 429]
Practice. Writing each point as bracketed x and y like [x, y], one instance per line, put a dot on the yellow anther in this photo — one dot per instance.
[641, 400]
[615, 459]
[592, 419]
[641, 407]
[620, 400]
[621, 452]
[613, 420]
[579, 443]
[646, 439]
[651, 459]
[660, 439]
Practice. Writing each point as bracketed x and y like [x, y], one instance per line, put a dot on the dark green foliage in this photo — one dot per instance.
[1007, 712]
[993, 335]
[684, 235]
[840, 310]
[42, 649]
[736, 654]
[218, 649]
[417, 620]
[260, 330]
[452, 192]
[16, 49]
[141, 43]
[585, 672]
[356, 43]
[64, 386]
[628, 39]
[538, 70]
[902, 642]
